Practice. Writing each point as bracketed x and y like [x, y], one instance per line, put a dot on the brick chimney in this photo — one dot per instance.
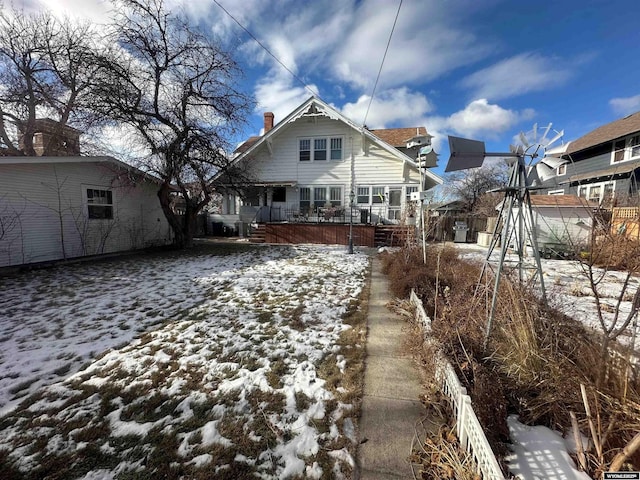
[268, 121]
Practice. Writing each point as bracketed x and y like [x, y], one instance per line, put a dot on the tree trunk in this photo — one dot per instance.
[164, 194]
[183, 226]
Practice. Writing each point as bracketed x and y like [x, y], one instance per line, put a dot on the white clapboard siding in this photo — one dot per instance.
[43, 209]
[281, 164]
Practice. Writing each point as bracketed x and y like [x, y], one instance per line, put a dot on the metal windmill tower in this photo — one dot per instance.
[527, 163]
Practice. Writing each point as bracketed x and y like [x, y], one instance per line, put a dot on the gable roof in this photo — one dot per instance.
[607, 133]
[397, 137]
[315, 107]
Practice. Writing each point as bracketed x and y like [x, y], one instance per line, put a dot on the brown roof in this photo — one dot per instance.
[248, 143]
[607, 133]
[397, 137]
[560, 201]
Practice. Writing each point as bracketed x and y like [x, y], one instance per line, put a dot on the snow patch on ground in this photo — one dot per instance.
[198, 350]
[539, 453]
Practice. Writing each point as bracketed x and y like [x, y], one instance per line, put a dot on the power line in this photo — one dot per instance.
[375, 85]
[266, 49]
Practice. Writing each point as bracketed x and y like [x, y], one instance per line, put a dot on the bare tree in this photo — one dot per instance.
[471, 186]
[46, 70]
[175, 88]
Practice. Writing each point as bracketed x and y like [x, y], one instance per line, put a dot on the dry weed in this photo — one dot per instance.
[536, 358]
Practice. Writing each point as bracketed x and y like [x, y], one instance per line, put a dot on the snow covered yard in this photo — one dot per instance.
[195, 366]
[568, 288]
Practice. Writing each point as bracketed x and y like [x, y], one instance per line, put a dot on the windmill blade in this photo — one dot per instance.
[554, 162]
[523, 140]
[532, 175]
[535, 130]
[559, 135]
[544, 135]
[544, 172]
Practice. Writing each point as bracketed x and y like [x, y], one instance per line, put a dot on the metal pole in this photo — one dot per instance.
[350, 249]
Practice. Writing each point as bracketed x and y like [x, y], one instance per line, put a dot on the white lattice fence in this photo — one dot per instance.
[469, 430]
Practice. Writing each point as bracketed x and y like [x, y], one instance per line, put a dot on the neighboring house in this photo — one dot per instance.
[54, 208]
[451, 208]
[603, 166]
[562, 222]
[309, 166]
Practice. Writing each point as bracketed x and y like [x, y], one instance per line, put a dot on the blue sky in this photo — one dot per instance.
[479, 69]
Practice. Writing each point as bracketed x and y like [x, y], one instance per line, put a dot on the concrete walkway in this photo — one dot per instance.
[390, 407]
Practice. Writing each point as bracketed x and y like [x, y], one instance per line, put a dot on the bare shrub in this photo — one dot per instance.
[536, 361]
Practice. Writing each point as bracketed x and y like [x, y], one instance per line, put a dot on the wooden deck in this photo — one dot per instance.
[333, 234]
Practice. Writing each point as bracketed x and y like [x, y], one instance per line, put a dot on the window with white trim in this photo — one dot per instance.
[597, 192]
[556, 192]
[561, 170]
[363, 195]
[322, 195]
[319, 196]
[335, 196]
[409, 191]
[626, 149]
[320, 149]
[305, 199]
[336, 148]
[377, 195]
[99, 203]
[305, 149]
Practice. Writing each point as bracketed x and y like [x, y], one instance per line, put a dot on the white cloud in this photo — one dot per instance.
[426, 43]
[625, 105]
[345, 41]
[278, 94]
[392, 107]
[482, 118]
[96, 11]
[524, 73]
[479, 119]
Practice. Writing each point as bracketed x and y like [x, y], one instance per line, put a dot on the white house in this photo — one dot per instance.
[315, 164]
[54, 208]
[562, 222]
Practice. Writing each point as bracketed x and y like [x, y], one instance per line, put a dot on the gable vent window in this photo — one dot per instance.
[320, 149]
[99, 203]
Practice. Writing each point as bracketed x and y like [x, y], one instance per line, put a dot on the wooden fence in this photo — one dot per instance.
[626, 220]
[440, 229]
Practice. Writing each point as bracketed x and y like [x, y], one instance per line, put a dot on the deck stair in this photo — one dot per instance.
[258, 233]
[394, 235]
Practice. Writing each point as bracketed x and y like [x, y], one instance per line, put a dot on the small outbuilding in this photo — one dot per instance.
[62, 207]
